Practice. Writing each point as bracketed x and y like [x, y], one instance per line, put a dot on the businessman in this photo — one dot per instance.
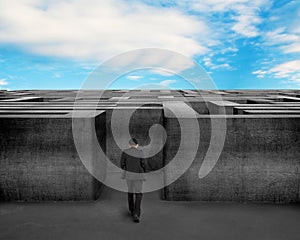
[133, 162]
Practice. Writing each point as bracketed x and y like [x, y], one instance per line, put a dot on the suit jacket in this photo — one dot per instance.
[133, 162]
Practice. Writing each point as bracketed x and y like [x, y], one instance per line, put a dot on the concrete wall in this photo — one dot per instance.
[38, 160]
[200, 107]
[260, 161]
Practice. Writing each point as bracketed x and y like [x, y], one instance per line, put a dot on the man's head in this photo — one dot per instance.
[133, 143]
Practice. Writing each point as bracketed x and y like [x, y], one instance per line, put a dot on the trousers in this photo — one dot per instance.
[135, 196]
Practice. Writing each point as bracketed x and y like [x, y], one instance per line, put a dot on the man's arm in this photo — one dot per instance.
[123, 161]
[143, 162]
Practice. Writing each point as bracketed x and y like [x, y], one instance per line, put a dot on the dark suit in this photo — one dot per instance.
[133, 162]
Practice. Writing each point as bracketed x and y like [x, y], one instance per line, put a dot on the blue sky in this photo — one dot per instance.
[241, 44]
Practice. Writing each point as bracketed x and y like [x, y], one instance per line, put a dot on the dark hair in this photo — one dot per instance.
[133, 141]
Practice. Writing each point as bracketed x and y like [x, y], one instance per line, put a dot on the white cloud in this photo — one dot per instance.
[134, 77]
[97, 30]
[288, 41]
[280, 36]
[297, 29]
[3, 82]
[208, 63]
[245, 13]
[260, 73]
[288, 70]
[159, 61]
[229, 50]
[246, 25]
[224, 65]
[292, 48]
[162, 72]
[216, 5]
[285, 69]
[167, 83]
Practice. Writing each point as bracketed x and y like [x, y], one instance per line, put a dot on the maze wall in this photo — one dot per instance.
[39, 161]
[259, 162]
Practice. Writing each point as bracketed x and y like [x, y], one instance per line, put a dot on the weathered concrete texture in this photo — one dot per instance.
[260, 161]
[38, 160]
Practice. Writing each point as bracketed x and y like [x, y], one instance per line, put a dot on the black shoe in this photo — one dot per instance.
[136, 218]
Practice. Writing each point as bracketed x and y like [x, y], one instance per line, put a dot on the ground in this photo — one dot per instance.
[108, 218]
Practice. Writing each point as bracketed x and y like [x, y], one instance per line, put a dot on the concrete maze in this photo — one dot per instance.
[259, 162]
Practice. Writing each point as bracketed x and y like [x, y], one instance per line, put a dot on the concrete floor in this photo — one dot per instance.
[108, 219]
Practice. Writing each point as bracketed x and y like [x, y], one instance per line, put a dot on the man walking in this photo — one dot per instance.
[135, 165]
